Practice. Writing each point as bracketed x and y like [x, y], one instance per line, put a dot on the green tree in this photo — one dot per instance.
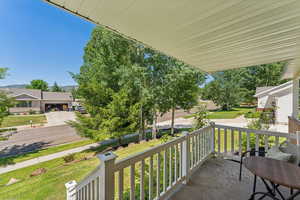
[38, 84]
[182, 88]
[108, 99]
[56, 88]
[5, 101]
[225, 90]
[261, 75]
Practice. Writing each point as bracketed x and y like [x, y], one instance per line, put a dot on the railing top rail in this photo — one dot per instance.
[89, 178]
[260, 132]
[126, 162]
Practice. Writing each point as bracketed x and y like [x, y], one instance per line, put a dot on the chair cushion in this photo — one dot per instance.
[275, 153]
[291, 149]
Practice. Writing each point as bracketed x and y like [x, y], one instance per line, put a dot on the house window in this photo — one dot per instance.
[24, 104]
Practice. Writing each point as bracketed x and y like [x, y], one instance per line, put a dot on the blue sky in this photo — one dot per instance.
[39, 41]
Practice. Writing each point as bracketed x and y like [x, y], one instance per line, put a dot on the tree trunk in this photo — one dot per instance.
[172, 121]
[154, 128]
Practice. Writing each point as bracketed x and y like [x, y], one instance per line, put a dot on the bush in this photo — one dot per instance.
[252, 114]
[32, 112]
[69, 158]
[8, 130]
[201, 117]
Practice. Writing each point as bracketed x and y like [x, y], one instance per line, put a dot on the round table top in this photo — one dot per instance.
[276, 171]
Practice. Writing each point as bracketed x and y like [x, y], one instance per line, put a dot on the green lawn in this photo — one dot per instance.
[219, 114]
[20, 120]
[43, 152]
[51, 184]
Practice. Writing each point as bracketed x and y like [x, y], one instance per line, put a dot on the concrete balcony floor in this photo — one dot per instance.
[217, 179]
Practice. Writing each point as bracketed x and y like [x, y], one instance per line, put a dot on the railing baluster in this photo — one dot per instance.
[248, 140]
[176, 163]
[276, 141]
[150, 177]
[256, 144]
[225, 140]
[158, 176]
[121, 183]
[219, 140]
[132, 182]
[165, 171]
[266, 137]
[192, 152]
[181, 160]
[240, 142]
[232, 140]
[142, 182]
[170, 166]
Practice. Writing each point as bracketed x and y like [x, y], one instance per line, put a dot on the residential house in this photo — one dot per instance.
[39, 101]
[279, 98]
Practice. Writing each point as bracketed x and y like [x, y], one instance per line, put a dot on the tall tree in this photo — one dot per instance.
[5, 101]
[261, 75]
[182, 88]
[111, 104]
[38, 84]
[56, 88]
[225, 89]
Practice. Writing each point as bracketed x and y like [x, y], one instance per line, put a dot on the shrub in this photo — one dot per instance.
[69, 158]
[32, 112]
[201, 117]
[252, 114]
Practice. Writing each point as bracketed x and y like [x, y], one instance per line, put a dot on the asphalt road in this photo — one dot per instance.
[31, 139]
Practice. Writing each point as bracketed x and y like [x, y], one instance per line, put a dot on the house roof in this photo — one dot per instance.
[38, 94]
[62, 96]
[262, 91]
[212, 35]
[14, 92]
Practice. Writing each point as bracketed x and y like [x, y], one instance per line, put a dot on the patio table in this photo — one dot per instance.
[274, 173]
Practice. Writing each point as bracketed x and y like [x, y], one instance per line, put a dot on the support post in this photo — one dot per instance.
[298, 145]
[107, 177]
[213, 127]
[71, 190]
[295, 98]
[186, 157]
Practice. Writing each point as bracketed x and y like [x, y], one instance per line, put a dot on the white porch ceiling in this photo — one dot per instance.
[212, 35]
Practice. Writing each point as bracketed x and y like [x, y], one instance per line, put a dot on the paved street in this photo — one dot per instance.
[31, 139]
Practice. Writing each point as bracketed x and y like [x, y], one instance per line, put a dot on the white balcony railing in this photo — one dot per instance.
[157, 172]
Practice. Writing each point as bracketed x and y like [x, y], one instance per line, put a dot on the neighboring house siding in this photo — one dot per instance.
[284, 107]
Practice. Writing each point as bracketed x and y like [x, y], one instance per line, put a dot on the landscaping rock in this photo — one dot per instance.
[120, 148]
[12, 181]
[38, 172]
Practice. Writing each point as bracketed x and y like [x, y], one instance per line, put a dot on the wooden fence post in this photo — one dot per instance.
[107, 176]
[186, 157]
[71, 190]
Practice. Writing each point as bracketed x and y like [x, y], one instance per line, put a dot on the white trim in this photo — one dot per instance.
[26, 95]
[265, 92]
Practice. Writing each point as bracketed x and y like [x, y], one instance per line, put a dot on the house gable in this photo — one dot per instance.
[25, 97]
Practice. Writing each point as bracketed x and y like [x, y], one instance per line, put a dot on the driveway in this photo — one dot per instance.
[59, 118]
[32, 139]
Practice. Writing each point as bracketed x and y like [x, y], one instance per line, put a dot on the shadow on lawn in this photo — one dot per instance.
[8, 154]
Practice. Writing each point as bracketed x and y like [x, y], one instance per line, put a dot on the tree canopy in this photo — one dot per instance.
[125, 85]
[5, 101]
[38, 84]
[232, 87]
[56, 88]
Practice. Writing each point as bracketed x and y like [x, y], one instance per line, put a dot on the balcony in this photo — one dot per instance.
[191, 166]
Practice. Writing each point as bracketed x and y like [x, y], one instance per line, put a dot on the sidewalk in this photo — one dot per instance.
[45, 158]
